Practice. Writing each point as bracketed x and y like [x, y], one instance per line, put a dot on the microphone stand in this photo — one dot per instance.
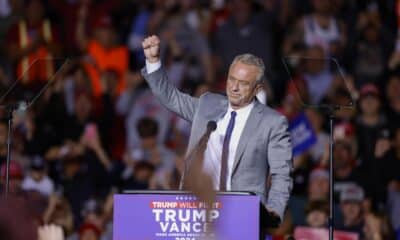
[9, 117]
[330, 111]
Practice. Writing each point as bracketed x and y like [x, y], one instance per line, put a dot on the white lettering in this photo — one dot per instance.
[164, 226]
[157, 212]
[170, 215]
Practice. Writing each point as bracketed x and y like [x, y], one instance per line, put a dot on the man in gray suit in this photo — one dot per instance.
[251, 142]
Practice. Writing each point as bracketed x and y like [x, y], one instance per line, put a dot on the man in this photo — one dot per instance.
[351, 201]
[251, 141]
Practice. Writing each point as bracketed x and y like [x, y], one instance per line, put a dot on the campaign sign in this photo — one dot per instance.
[183, 217]
[302, 134]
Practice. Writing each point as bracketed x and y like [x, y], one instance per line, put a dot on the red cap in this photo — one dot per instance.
[369, 89]
[15, 170]
[89, 226]
[104, 21]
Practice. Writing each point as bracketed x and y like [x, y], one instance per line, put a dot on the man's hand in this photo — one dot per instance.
[151, 47]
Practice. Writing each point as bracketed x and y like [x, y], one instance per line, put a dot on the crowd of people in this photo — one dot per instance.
[96, 129]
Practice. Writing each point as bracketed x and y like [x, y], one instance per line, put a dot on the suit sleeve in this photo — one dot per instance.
[281, 167]
[182, 104]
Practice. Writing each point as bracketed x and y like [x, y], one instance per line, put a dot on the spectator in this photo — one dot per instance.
[377, 227]
[351, 201]
[103, 52]
[37, 178]
[243, 32]
[320, 28]
[70, 11]
[32, 42]
[370, 123]
[317, 213]
[345, 171]
[16, 175]
[390, 178]
[318, 185]
[89, 231]
[320, 151]
[143, 171]
[156, 154]
[371, 54]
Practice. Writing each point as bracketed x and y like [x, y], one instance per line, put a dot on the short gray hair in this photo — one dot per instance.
[251, 59]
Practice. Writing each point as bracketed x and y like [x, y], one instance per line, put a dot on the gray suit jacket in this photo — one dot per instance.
[264, 147]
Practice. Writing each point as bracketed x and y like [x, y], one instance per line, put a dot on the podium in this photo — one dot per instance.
[177, 215]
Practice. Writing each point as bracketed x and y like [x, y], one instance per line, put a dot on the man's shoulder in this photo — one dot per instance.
[272, 114]
[210, 97]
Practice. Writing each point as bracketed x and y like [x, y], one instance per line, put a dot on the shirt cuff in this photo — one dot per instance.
[152, 67]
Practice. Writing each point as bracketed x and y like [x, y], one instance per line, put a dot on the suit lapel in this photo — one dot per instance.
[248, 132]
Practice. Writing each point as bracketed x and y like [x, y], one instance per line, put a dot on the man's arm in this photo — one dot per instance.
[182, 104]
[280, 162]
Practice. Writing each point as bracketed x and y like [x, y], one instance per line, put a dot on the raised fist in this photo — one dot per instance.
[151, 47]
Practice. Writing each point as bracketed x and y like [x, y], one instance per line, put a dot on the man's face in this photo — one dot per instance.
[318, 188]
[342, 156]
[351, 211]
[241, 86]
[370, 104]
[316, 218]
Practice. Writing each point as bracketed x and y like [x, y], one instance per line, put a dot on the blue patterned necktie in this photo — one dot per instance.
[225, 152]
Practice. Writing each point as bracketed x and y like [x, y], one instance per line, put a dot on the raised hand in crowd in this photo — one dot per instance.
[50, 232]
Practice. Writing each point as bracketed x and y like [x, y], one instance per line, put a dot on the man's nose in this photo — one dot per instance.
[235, 86]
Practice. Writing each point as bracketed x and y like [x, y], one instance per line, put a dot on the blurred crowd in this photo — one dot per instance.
[97, 130]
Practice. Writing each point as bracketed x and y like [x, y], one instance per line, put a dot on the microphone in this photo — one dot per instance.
[200, 147]
[211, 126]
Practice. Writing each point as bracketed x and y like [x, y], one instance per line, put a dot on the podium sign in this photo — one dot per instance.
[182, 217]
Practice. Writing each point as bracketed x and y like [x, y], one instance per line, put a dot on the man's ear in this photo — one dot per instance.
[258, 88]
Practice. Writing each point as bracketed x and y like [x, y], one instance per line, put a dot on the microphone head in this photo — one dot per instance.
[211, 126]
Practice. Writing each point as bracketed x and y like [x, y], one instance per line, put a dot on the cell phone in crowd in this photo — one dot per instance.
[90, 131]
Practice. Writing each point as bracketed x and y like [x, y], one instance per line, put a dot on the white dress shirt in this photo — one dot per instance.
[213, 152]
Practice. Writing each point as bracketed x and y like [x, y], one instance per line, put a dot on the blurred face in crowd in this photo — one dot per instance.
[315, 61]
[105, 36]
[187, 4]
[322, 6]
[351, 212]
[241, 10]
[318, 188]
[82, 79]
[34, 11]
[143, 174]
[370, 105]
[149, 142]
[37, 175]
[371, 34]
[342, 155]
[316, 218]
[83, 107]
[241, 86]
